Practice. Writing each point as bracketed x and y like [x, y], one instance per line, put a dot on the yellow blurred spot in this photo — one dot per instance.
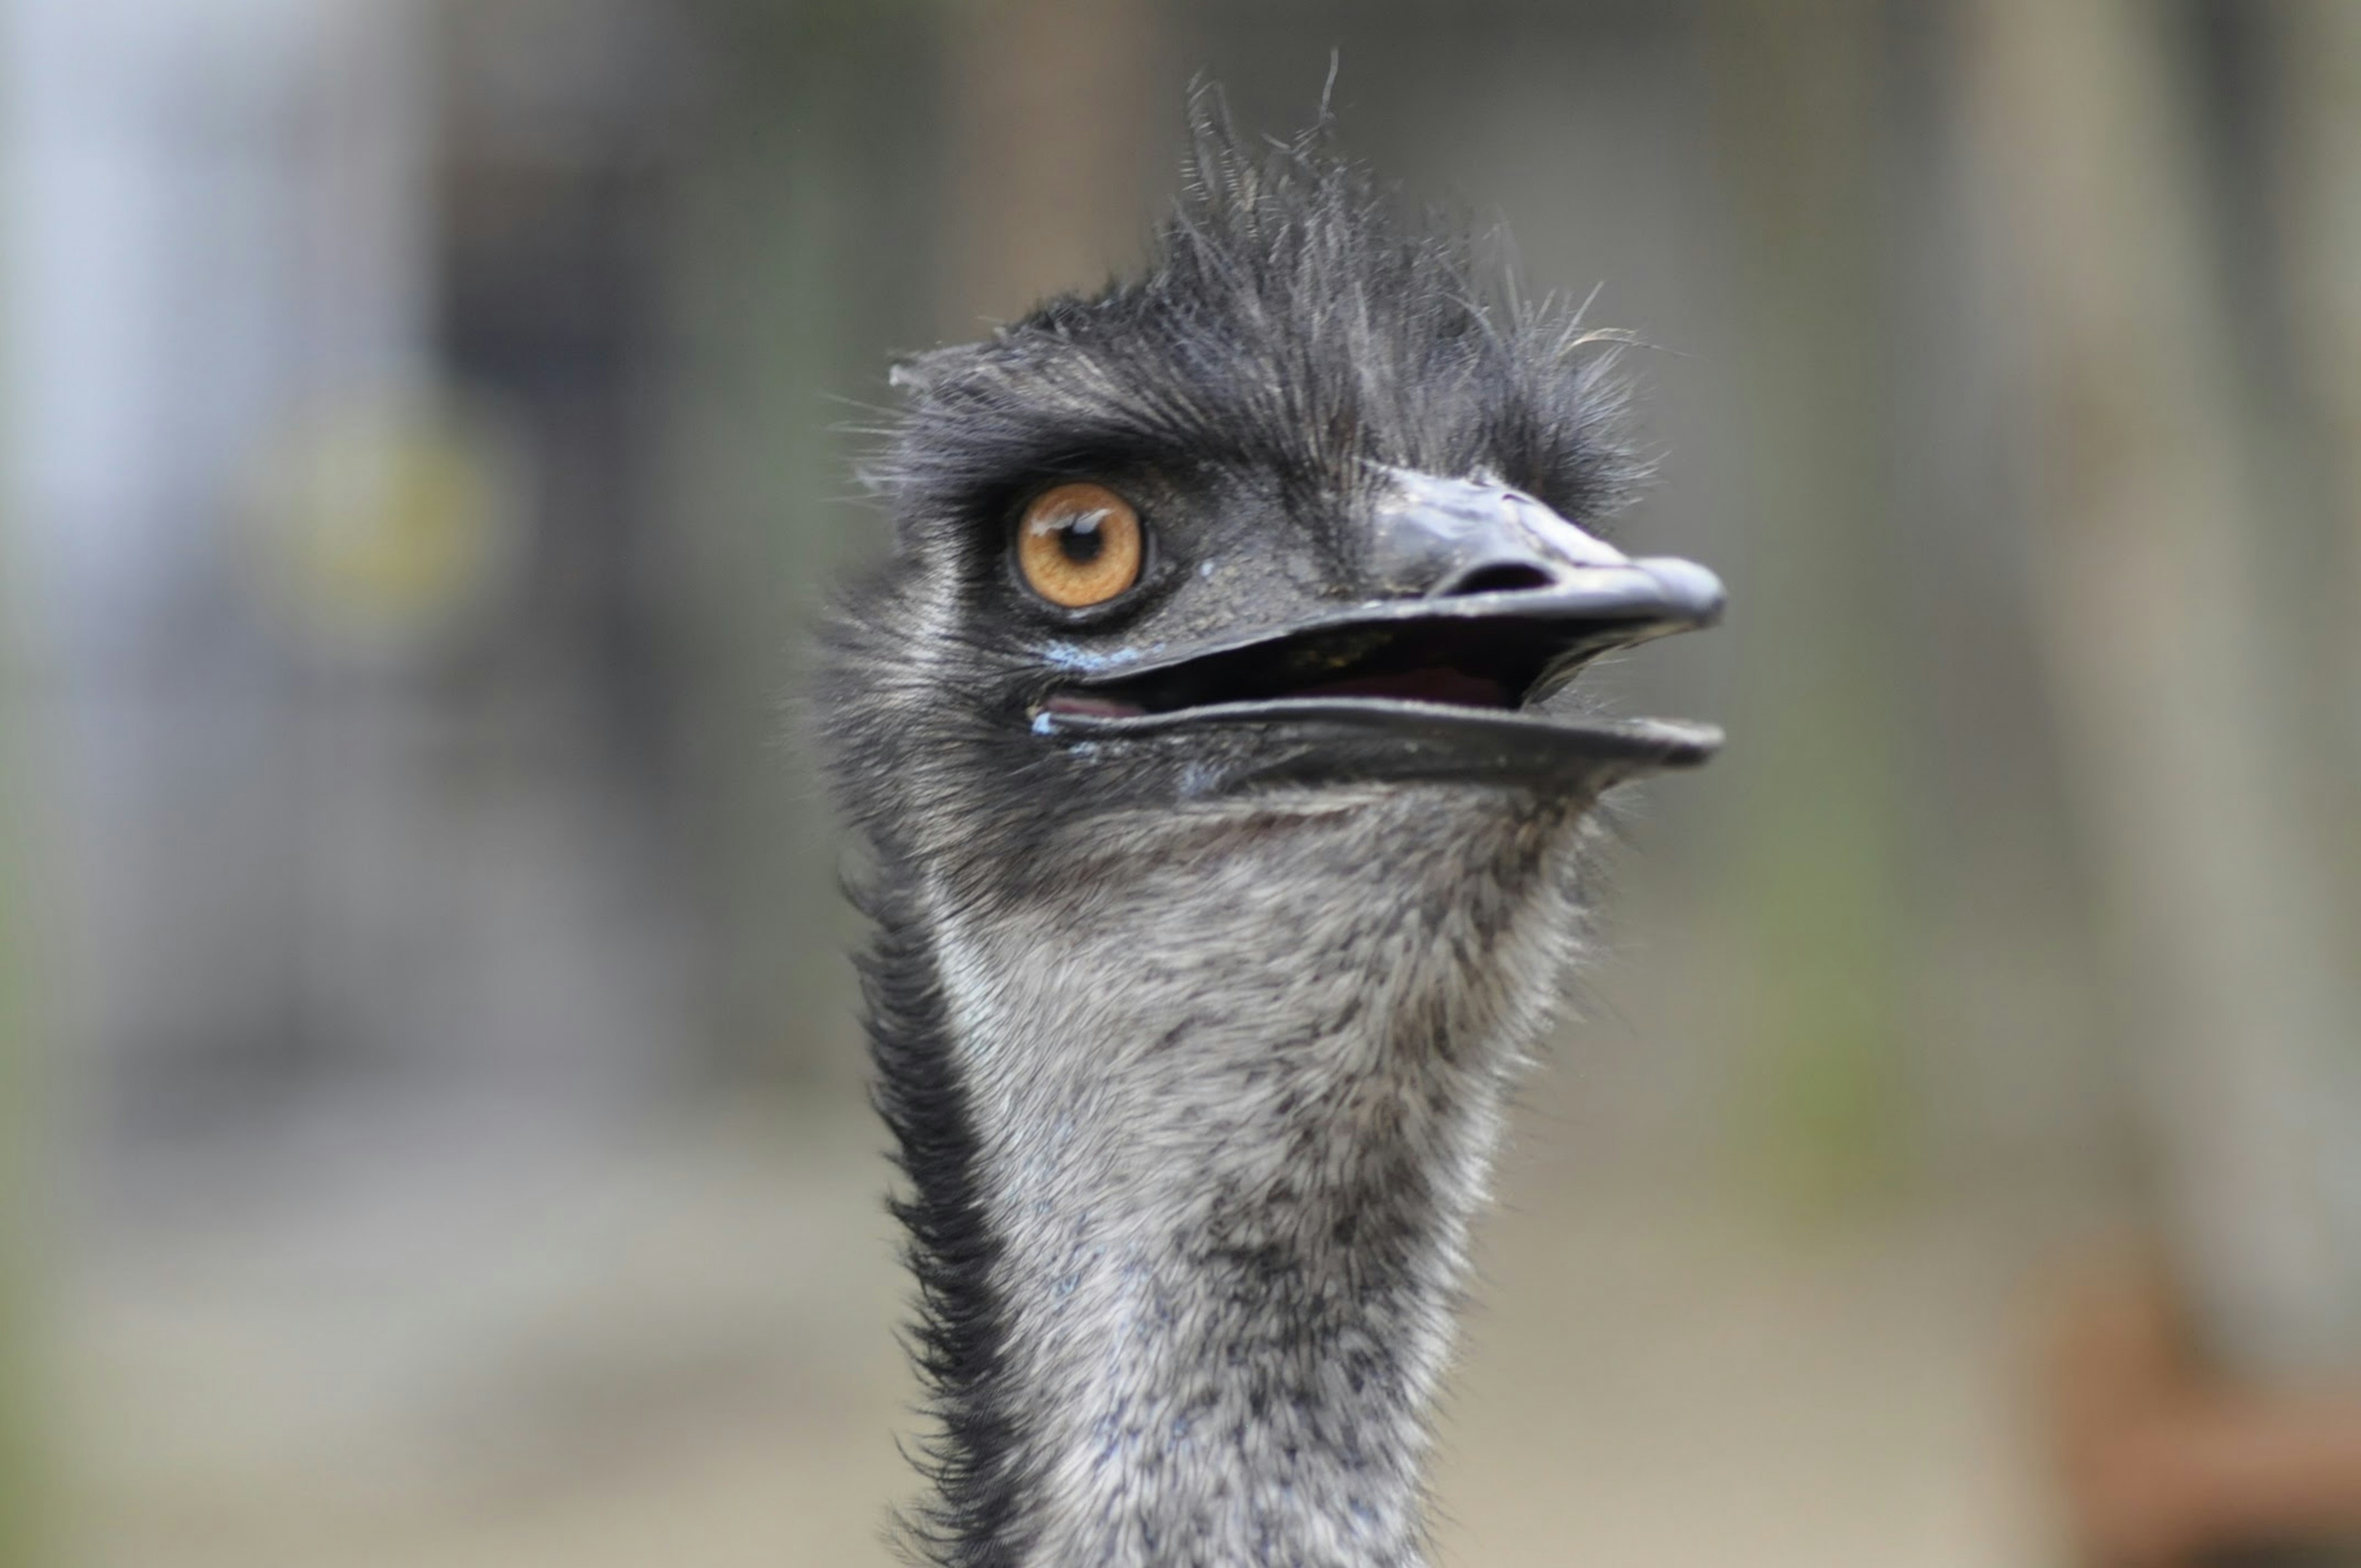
[383, 526]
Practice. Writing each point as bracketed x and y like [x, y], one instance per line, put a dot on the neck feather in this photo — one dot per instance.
[1195, 1149]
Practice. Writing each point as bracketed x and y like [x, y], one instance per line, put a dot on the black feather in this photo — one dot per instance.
[957, 1342]
[1294, 321]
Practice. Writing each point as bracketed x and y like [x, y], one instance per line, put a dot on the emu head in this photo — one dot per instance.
[1300, 511]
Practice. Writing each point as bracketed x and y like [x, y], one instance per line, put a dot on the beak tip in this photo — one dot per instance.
[1691, 589]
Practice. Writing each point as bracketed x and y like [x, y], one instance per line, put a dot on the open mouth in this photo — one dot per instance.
[1493, 653]
[1490, 664]
[1449, 687]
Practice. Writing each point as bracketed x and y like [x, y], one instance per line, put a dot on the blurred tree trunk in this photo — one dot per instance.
[2317, 60]
[22, 1512]
[883, 174]
[1051, 123]
[1816, 749]
[804, 228]
[765, 220]
[2156, 635]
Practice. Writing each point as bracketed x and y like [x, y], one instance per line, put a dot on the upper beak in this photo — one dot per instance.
[1436, 538]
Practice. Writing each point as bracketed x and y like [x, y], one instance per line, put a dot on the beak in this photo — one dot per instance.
[1446, 539]
[1435, 538]
[1483, 604]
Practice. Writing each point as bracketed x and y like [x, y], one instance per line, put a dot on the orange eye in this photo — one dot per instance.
[1079, 545]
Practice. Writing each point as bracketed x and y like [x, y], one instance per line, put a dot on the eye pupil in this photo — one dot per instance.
[1080, 540]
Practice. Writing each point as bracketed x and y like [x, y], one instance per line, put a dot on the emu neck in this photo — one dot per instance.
[1230, 1112]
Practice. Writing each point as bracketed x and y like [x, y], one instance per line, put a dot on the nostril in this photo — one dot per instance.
[1500, 579]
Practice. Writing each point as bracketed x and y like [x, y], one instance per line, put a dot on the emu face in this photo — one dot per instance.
[1295, 512]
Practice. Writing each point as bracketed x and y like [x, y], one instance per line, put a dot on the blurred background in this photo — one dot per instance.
[432, 1101]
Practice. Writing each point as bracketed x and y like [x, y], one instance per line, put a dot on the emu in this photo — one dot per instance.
[1212, 729]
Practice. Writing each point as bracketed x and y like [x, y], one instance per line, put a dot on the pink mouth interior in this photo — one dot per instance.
[1092, 706]
[1452, 688]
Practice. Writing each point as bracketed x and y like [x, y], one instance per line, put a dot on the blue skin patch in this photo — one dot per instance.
[1045, 724]
[1066, 655]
